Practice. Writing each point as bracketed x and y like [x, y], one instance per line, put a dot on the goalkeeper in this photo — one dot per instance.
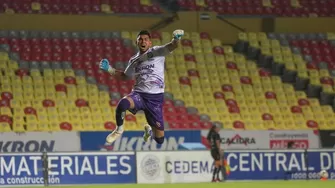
[147, 66]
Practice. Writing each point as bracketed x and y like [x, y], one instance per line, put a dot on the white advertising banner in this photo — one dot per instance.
[276, 139]
[39, 142]
[174, 167]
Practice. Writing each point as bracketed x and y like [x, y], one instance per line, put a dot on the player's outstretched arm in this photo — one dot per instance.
[177, 34]
[104, 65]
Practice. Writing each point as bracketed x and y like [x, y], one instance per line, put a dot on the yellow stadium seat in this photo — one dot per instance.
[35, 6]
[3, 64]
[5, 127]
[18, 126]
[327, 89]
[5, 80]
[295, 3]
[81, 80]
[54, 126]
[87, 126]
[314, 101]
[126, 35]
[242, 36]
[13, 65]
[216, 42]
[35, 73]
[146, 2]
[4, 56]
[99, 126]
[330, 36]
[32, 126]
[43, 118]
[16, 80]
[269, 124]
[324, 73]
[6, 111]
[219, 58]
[6, 87]
[252, 36]
[200, 3]
[105, 8]
[43, 126]
[327, 109]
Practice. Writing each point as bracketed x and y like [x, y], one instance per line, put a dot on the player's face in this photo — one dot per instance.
[143, 42]
[217, 129]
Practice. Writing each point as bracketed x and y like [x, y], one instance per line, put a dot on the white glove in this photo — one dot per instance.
[177, 34]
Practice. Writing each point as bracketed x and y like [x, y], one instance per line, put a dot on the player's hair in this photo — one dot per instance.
[144, 32]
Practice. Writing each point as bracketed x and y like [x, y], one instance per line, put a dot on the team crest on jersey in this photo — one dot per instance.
[158, 124]
[150, 55]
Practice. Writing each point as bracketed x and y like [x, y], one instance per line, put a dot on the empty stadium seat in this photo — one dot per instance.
[80, 7]
[282, 8]
[301, 61]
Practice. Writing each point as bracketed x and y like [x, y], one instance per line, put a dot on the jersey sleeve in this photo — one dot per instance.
[130, 69]
[161, 50]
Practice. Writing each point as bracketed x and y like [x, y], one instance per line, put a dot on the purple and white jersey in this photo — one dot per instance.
[149, 75]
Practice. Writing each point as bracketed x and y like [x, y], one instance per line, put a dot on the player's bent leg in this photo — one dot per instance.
[123, 105]
[155, 120]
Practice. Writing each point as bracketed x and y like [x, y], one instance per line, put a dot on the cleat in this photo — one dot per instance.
[147, 133]
[113, 136]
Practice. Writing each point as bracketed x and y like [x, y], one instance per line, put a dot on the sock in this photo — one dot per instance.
[218, 173]
[119, 128]
[159, 140]
[120, 113]
[214, 172]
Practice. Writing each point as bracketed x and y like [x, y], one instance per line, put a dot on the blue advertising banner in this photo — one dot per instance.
[68, 168]
[271, 165]
[198, 166]
[133, 141]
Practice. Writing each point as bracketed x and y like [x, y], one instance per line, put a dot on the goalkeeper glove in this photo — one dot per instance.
[104, 65]
[177, 34]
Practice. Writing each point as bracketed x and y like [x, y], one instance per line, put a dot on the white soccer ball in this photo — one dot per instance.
[324, 174]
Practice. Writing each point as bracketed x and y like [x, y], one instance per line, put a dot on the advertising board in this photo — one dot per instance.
[327, 138]
[68, 168]
[133, 141]
[197, 166]
[39, 142]
[276, 139]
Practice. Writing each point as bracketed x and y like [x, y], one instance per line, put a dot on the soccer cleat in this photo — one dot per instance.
[113, 136]
[147, 133]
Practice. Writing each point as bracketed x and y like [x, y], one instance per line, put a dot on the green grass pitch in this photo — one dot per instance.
[246, 184]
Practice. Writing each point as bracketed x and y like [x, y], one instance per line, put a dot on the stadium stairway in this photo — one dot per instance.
[300, 65]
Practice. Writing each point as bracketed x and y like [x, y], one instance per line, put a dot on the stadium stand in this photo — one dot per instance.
[302, 60]
[51, 81]
[79, 6]
[282, 8]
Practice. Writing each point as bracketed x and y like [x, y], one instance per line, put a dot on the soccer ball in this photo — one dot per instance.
[324, 174]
